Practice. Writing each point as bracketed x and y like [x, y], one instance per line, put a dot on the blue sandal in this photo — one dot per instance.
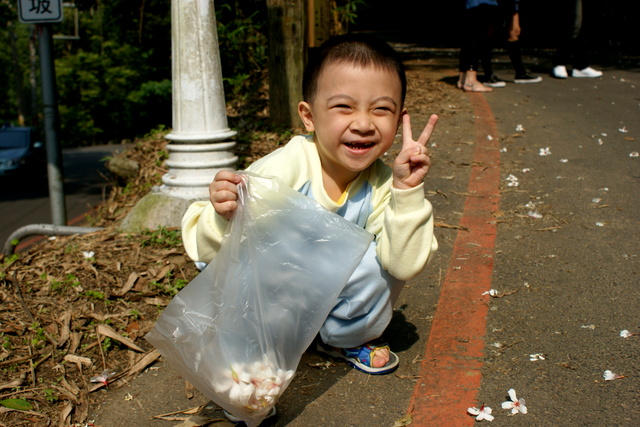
[361, 357]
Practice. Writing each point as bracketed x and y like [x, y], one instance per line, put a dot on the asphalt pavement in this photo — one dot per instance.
[85, 182]
[567, 245]
[535, 189]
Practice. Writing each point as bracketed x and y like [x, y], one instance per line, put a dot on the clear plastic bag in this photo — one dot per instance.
[238, 330]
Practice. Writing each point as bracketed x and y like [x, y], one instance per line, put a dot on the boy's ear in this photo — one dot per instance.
[304, 111]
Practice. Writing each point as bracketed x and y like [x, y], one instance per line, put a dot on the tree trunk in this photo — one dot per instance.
[286, 60]
[318, 21]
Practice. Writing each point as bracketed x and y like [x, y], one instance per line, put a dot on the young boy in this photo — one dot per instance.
[353, 105]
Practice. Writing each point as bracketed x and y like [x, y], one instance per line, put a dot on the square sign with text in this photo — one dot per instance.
[40, 11]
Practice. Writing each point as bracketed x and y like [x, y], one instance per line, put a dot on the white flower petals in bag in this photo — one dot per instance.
[238, 330]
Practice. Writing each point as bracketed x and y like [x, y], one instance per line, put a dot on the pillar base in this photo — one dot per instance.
[155, 210]
[192, 168]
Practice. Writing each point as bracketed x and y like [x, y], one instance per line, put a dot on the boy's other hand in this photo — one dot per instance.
[413, 162]
[223, 193]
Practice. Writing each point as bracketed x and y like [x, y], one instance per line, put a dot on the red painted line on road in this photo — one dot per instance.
[449, 378]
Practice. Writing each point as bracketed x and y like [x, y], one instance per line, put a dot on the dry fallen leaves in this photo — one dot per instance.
[66, 318]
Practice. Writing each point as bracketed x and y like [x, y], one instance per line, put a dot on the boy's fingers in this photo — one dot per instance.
[428, 130]
[407, 137]
[225, 175]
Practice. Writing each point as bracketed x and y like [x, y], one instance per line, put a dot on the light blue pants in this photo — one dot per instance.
[364, 307]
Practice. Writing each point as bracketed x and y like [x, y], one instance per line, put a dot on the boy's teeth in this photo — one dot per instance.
[354, 145]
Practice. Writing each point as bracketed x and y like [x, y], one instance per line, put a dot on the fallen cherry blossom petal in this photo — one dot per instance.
[491, 292]
[623, 129]
[545, 151]
[512, 181]
[564, 160]
[610, 376]
[519, 128]
[104, 377]
[254, 387]
[534, 214]
[536, 356]
[626, 334]
[600, 224]
[634, 154]
[483, 413]
[88, 254]
[516, 405]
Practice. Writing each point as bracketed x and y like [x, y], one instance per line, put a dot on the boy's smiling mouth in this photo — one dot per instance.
[359, 145]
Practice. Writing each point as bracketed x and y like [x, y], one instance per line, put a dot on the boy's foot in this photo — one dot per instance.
[586, 72]
[527, 78]
[494, 81]
[372, 358]
[559, 72]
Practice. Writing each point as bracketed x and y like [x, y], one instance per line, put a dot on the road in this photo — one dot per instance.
[567, 241]
[28, 203]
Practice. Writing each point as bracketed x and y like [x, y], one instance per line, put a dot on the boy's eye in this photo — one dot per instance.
[384, 110]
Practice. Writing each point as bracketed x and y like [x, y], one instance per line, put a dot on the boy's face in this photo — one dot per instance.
[355, 115]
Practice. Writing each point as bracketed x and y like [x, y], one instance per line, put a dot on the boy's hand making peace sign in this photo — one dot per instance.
[412, 164]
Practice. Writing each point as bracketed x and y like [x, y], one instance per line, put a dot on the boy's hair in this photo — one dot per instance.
[356, 49]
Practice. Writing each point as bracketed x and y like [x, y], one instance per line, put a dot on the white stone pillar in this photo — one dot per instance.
[198, 147]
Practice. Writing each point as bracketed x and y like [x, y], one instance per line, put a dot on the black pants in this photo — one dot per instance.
[478, 25]
[572, 45]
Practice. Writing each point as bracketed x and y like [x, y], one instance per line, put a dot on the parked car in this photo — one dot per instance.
[21, 152]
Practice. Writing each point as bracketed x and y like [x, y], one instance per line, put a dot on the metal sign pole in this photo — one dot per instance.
[50, 112]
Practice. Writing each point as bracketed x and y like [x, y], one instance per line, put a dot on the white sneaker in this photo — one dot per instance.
[560, 72]
[586, 72]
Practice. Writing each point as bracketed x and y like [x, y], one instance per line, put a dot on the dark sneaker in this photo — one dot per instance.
[527, 78]
[494, 81]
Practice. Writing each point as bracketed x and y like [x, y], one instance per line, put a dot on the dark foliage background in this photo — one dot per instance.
[114, 80]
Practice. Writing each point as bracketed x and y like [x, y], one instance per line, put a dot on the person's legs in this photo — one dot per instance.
[365, 306]
[513, 45]
[515, 54]
[579, 40]
[475, 41]
[571, 18]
